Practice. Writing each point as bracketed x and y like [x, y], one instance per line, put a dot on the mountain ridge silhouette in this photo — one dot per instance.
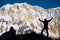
[10, 35]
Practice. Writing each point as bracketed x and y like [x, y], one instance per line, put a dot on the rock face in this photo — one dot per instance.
[23, 16]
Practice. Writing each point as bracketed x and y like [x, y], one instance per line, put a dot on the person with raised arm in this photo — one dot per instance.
[45, 22]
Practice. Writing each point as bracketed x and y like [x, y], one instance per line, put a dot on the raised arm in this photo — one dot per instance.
[50, 20]
[41, 20]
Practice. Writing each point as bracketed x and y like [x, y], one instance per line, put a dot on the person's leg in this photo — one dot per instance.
[42, 31]
[47, 32]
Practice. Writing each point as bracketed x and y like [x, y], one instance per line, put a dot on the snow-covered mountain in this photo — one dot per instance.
[23, 17]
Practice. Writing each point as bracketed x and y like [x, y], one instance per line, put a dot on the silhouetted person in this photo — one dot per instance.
[12, 31]
[9, 34]
[45, 22]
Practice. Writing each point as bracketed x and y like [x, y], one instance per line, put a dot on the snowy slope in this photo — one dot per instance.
[23, 17]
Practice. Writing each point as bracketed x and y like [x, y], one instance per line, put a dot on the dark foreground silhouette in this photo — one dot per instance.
[10, 35]
[45, 22]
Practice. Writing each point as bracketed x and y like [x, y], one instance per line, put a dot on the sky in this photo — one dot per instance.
[42, 3]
